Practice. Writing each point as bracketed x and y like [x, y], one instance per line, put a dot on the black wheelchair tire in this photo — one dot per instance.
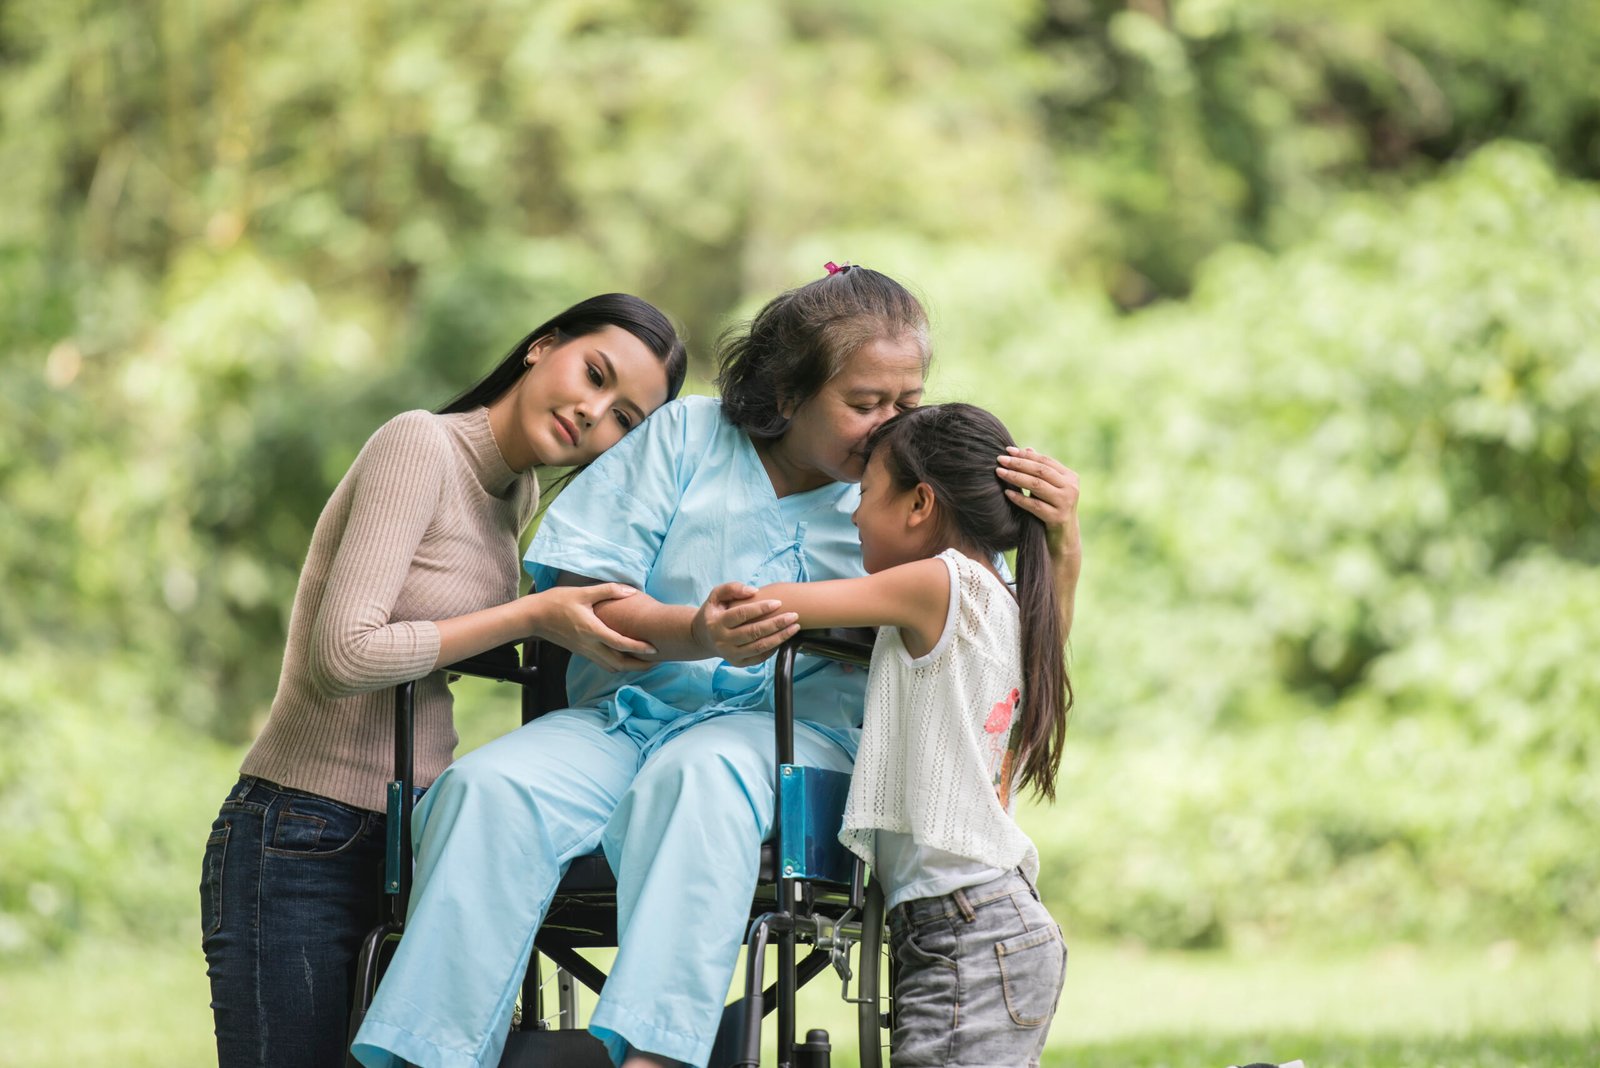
[870, 1013]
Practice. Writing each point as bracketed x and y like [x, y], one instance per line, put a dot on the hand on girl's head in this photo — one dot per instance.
[1040, 484]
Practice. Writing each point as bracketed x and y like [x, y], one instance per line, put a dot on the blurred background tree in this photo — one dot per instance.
[1308, 292]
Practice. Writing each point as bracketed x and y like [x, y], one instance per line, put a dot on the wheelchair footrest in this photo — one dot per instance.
[554, 1049]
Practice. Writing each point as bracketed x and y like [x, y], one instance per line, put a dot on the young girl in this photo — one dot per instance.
[412, 566]
[967, 701]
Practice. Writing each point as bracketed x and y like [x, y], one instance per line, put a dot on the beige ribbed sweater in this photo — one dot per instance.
[423, 526]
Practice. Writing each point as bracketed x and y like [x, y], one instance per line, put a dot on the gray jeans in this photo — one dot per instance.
[981, 970]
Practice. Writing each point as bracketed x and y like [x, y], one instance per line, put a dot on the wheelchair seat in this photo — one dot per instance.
[593, 874]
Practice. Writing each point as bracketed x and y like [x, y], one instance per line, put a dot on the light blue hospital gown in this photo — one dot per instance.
[669, 769]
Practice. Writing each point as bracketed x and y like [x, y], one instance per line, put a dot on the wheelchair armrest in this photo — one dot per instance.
[849, 645]
[502, 663]
[536, 665]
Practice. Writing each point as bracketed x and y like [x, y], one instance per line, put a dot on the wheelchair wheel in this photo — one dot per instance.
[875, 1009]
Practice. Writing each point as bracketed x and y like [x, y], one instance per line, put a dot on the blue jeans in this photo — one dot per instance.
[290, 885]
[981, 970]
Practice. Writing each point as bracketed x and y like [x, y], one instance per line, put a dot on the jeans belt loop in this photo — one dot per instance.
[960, 898]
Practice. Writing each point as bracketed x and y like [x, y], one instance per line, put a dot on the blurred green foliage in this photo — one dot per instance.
[1324, 355]
[1342, 588]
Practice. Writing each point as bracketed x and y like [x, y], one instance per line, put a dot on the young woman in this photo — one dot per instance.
[412, 566]
[667, 768]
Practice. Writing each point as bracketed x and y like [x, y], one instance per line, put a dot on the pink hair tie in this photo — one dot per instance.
[832, 268]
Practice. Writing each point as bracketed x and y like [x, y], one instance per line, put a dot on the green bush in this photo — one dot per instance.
[1315, 461]
[1341, 596]
[1342, 832]
[1342, 497]
[106, 803]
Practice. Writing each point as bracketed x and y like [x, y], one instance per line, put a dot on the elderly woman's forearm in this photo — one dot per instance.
[668, 627]
[1067, 567]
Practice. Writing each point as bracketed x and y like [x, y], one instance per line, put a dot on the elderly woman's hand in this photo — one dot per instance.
[735, 626]
[1052, 495]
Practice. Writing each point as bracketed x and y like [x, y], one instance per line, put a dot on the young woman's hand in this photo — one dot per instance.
[567, 618]
[735, 626]
[1052, 495]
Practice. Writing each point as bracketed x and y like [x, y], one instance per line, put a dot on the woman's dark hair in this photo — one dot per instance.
[639, 318]
[802, 338]
[952, 447]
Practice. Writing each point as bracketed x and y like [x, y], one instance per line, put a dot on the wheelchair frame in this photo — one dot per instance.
[803, 895]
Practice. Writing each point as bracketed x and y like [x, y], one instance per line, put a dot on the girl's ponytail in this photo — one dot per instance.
[953, 448]
[1046, 689]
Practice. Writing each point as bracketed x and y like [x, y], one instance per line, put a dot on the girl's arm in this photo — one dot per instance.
[732, 624]
[1053, 497]
[743, 625]
[914, 597]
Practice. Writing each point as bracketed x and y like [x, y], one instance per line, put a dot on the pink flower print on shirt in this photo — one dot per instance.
[998, 729]
[1000, 715]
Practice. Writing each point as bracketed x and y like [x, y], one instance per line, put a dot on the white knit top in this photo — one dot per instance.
[934, 762]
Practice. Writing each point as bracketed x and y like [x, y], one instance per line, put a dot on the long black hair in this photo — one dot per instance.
[802, 338]
[952, 448]
[639, 318]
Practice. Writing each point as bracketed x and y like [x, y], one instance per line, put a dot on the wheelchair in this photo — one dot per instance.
[811, 892]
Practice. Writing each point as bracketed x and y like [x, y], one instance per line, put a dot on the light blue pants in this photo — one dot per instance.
[681, 824]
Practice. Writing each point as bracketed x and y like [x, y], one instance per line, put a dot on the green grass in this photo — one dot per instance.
[1400, 1007]
[132, 1006]
[1542, 1050]
[1114, 994]
[1397, 1007]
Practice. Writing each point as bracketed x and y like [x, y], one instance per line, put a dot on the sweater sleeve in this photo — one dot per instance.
[395, 487]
